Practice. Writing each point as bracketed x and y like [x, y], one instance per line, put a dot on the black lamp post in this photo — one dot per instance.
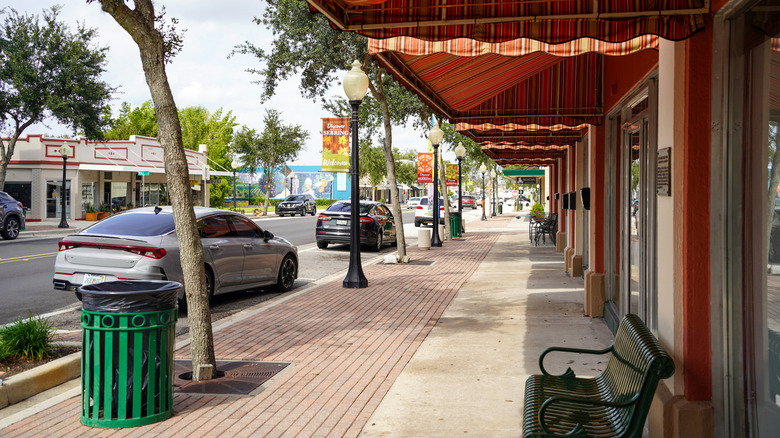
[355, 87]
[493, 204]
[64, 151]
[234, 165]
[330, 178]
[483, 169]
[435, 136]
[460, 152]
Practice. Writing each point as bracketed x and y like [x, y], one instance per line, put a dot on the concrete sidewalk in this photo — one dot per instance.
[440, 347]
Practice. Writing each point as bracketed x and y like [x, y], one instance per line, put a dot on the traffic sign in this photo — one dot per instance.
[143, 172]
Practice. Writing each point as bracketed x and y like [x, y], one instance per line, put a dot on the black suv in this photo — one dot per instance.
[297, 204]
[11, 216]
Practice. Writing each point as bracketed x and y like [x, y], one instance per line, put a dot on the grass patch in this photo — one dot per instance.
[28, 339]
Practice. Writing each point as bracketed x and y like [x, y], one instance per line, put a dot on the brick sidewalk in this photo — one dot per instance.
[347, 347]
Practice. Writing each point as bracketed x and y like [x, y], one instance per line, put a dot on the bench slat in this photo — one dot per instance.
[614, 403]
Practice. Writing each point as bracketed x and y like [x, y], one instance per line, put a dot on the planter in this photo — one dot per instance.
[91, 216]
[102, 215]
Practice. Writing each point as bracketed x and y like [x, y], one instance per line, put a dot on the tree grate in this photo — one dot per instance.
[238, 377]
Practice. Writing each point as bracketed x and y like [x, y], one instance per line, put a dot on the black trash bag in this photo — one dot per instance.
[130, 296]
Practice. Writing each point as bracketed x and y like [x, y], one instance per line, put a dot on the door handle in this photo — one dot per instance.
[214, 247]
[247, 246]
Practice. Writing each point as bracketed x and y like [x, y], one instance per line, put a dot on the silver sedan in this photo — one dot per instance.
[141, 244]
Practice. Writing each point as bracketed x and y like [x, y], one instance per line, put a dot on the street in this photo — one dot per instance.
[27, 268]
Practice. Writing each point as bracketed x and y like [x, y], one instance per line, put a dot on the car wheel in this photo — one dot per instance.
[303, 211]
[286, 276]
[10, 229]
[378, 242]
[210, 283]
[314, 211]
[322, 245]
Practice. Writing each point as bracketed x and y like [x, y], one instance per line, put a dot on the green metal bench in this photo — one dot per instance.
[612, 404]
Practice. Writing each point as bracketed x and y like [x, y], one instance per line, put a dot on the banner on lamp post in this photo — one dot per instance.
[335, 144]
[424, 167]
[452, 175]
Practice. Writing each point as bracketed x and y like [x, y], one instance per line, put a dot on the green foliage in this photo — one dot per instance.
[89, 208]
[133, 121]
[537, 210]
[27, 338]
[48, 71]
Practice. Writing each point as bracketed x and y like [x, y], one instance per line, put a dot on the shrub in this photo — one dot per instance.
[27, 338]
[537, 210]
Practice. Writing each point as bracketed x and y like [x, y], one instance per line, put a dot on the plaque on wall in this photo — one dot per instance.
[663, 172]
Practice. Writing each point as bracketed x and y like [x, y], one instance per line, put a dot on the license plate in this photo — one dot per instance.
[341, 222]
[93, 279]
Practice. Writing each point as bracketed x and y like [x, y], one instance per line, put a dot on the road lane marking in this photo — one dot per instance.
[27, 258]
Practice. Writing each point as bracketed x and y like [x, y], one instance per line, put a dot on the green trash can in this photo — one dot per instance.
[500, 208]
[128, 331]
[455, 224]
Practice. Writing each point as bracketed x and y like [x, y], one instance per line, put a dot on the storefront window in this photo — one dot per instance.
[88, 191]
[54, 201]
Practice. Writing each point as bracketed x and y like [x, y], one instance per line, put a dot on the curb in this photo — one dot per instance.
[31, 382]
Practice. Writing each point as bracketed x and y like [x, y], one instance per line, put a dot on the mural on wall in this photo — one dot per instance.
[317, 184]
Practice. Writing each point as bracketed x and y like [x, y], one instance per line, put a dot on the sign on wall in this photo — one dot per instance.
[663, 172]
[335, 144]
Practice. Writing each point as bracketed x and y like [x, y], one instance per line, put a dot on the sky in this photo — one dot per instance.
[202, 74]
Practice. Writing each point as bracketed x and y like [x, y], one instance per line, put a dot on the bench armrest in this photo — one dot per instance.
[578, 430]
[568, 372]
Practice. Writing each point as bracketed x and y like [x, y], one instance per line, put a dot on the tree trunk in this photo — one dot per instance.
[139, 23]
[390, 161]
[445, 197]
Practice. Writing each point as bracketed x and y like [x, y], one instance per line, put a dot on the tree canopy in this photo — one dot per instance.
[47, 71]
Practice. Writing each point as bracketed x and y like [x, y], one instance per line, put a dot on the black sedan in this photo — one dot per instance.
[297, 204]
[377, 225]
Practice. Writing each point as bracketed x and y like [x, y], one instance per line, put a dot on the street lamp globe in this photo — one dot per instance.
[482, 169]
[234, 164]
[435, 135]
[65, 151]
[355, 82]
[492, 173]
[460, 151]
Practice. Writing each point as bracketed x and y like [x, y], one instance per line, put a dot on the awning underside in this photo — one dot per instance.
[503, 20]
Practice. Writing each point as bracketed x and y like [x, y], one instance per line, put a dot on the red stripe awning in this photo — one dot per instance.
[504, 20]
[537, 89]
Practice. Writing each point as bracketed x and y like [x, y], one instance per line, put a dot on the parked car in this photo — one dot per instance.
[423, 215]
[413, 202]
[297, 204]
[141, 244]
[468, 201]
[377, 225]
[11, 216]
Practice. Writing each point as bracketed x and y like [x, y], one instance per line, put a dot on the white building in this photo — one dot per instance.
[112, 174]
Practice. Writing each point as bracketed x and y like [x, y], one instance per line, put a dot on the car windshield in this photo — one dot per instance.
[346, 207]
[136, 223]
[294, 198]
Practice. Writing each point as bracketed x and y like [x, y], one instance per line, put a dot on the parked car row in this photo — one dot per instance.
[141, 244]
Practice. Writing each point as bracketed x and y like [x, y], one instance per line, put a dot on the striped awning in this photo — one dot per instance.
[551, 21]
[523, 135]
[538, 88]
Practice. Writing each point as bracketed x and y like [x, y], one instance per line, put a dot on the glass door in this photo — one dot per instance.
[54, 200]
[637, 207]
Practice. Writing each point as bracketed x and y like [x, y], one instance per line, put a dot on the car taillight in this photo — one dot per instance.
[420, 207]
[322, 217]
[366, 220]
[146, 251]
